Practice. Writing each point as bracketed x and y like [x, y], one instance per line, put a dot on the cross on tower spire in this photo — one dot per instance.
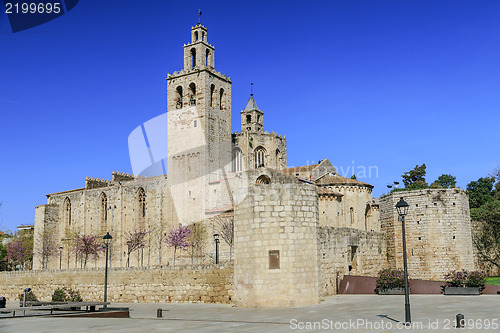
[251, 89]
[199, 16]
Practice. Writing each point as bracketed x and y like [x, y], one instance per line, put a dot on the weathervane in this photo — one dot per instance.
[199, 16]
[251, 89]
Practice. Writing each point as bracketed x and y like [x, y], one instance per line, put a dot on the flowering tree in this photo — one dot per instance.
[20, 249]
[47, 245]
[178, 238]
[135, 241]
[86, 246]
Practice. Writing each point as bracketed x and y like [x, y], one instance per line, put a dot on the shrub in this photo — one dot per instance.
[30, 297]
[465, 278]
[66, 295]
[390, 278]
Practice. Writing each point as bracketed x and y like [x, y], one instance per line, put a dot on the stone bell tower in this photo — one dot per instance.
[199, 127]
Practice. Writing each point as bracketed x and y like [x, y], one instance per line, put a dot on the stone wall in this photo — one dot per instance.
[207, 283]
[347, 251]
[438, 232]
[276, 249]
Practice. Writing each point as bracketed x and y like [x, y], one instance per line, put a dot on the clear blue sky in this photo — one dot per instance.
[389, 84]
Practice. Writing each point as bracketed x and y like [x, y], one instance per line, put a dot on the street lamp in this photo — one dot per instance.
[60, 256]
[402, 208]
[216, 239]
[107, 240]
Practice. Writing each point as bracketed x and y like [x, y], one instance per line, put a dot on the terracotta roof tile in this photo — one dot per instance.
[339, 180]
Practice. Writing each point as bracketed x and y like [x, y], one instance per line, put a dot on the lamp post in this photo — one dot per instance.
[107, 240]
[112, 207]
[216, 239]
[402, 208]
[60, 256]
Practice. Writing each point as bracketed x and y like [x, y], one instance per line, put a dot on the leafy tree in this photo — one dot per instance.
[415, 179]
[354, 177]
[445, 181]
[86, 246]
[47, 245]
[4, 263]
[480, 191]
[178, 238]
[485, 212]
[135, 240]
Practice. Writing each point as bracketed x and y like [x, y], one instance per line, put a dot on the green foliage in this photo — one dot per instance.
[445, 181]
[489, 212]
[415, 179]
[493, 280]
[484, 202]
[390, 278]
[480, 191]
[66, 295]
[353, 177]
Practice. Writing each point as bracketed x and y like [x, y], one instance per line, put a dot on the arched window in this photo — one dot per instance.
[351, 211]
[249, 118]
[104, 213]
[237, 164]
[221, 99]
[193, 58]
[259, 155]
[212, 95]
[278, 159]
[67, 212]
[195, 36]
[207, 55]
[179, 97]
[141, 201]
[264, 179]
[368, 215]
[192, 93]
[203, 35]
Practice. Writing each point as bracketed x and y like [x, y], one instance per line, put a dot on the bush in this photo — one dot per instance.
[66, 295]
[30, 297]
[390, 278]
[465, 279]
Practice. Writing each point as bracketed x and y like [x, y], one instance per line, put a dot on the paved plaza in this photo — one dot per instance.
[339, 313]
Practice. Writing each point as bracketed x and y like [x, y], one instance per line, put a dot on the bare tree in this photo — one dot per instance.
[226, 228]
[47, 244]
[198, 240]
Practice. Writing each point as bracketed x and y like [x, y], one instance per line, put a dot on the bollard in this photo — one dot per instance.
[159, 313]
[460, 321]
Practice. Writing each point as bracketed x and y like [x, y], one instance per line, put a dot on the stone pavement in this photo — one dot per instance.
[339, 313]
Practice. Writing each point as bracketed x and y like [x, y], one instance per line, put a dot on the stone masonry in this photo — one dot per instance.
[438, 232]
[276, 248]
[205, 284]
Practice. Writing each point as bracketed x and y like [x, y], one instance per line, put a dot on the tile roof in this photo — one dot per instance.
[339, 180]
[300, 169]
[251, 105]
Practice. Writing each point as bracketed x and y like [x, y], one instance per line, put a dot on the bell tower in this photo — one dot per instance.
[252, 119]
[199, 127]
